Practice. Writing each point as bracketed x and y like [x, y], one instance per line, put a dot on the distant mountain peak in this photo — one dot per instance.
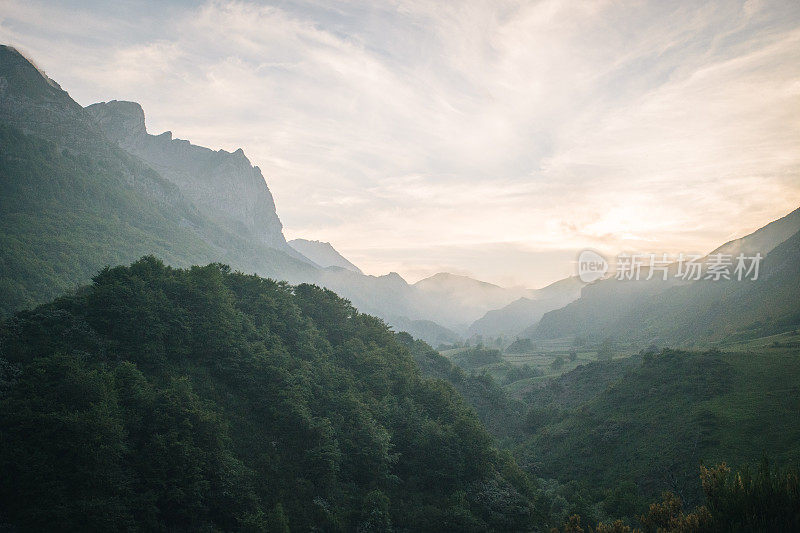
[16, 66]
[449, 278]
[323, 254]
[34, 103]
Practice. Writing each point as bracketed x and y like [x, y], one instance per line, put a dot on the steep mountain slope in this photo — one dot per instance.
[200, 400]
[72, 201]
[224, 186]
[711, 311]
[228, 190]
[323, 254]
[519, 314]
[765, 239]
[35, 104]
[684, 312]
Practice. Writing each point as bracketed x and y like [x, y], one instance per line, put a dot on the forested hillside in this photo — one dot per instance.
[628, 429]
[200, 399]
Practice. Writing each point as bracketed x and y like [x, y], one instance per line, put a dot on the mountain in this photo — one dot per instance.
[467, 290]
[323, 254]
[426, 330]
[685, 313]
[567, 288]
[72, 201]
[456, 301]
[716, 311]
[512, 319]
[35, 104]
[224, 186]
[88, 187]
[83, 188]
[162, 399]
[765, 239]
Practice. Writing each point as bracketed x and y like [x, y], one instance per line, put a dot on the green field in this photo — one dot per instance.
[540, 360]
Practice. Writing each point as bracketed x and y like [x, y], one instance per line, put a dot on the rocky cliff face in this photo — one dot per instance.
[35, 104]
[225, 186]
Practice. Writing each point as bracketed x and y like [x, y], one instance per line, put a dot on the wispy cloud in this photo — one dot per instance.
[492, 138]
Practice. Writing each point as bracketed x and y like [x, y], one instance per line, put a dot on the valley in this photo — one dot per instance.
[169, 361]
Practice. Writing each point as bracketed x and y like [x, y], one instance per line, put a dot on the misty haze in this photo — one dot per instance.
[505, 266]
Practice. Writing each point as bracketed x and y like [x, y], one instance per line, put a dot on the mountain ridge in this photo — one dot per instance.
[95, 203]
[224, 185]
[513, 319]
[323, 254]
[639, 309]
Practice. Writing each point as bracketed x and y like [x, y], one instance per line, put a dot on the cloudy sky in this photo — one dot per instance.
[493, 138]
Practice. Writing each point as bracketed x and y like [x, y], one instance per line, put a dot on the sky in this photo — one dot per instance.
[495, 139]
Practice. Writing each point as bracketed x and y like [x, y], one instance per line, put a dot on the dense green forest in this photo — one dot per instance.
[182, 400]
[200, 399]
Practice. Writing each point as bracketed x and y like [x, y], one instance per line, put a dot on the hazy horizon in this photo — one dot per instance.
[493, 139]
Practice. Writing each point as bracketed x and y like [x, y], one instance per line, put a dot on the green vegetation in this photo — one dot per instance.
[521, 346]
[65, 215]
[606, 436]
[497, 411]
[163, 399]
[522, 366]
[517, 373]
[766, 501]
[628, 429]
[476, 357]
[68, 213]
[606, 350]
[648, 427]
[167, 399]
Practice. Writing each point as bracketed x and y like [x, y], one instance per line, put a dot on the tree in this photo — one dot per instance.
[205, 400]
[606, 350]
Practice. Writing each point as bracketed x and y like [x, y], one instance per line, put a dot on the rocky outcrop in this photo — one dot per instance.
[225, 186]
